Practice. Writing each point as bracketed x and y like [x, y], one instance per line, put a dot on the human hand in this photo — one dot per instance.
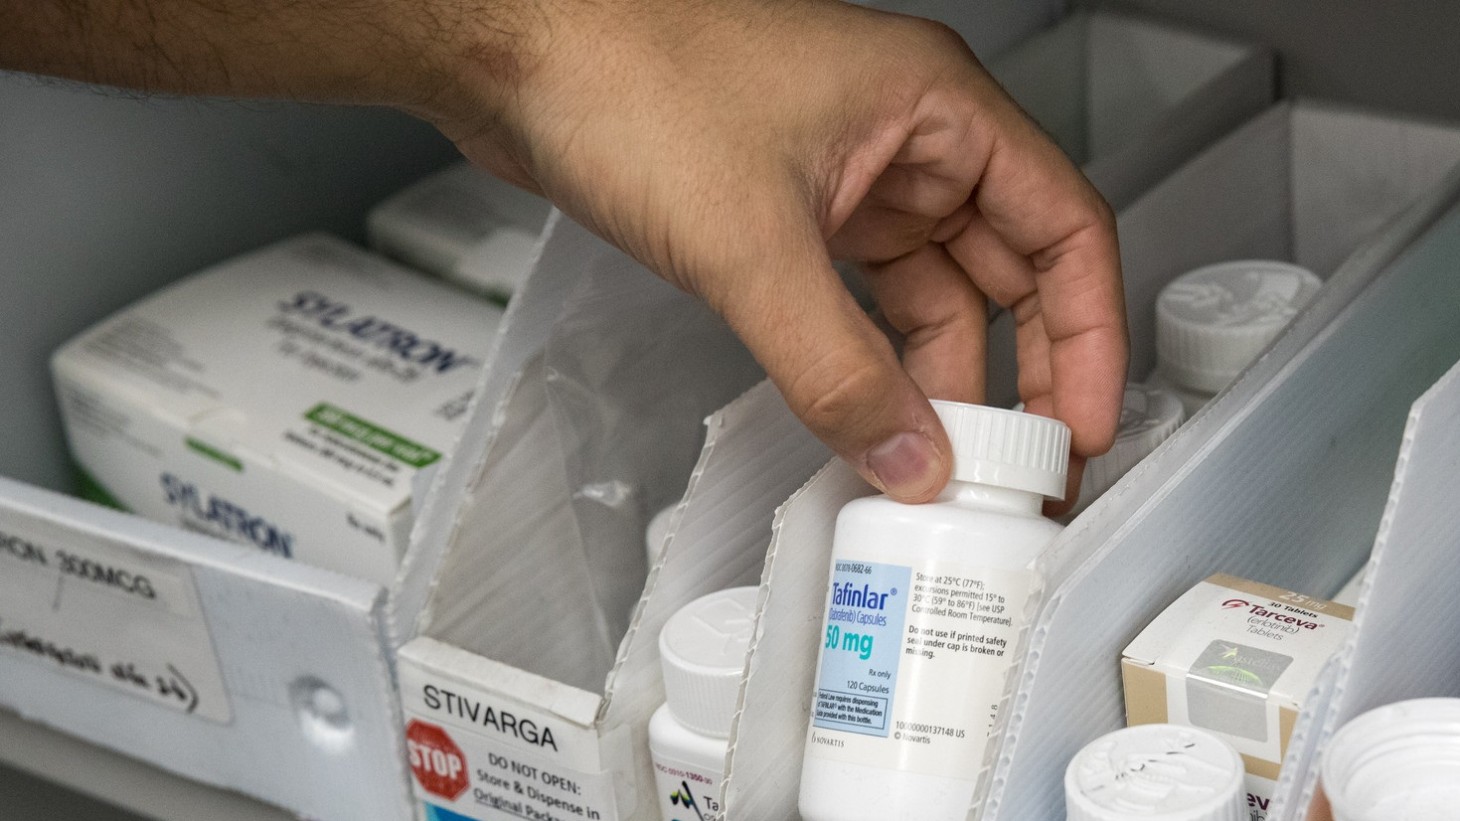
[731, 147]
[735, 147]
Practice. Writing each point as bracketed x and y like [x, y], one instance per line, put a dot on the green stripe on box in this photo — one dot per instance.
[93, 491]
[204, 449]
[371, 435]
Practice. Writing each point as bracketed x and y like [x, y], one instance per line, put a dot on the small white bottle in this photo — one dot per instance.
[702, 652]
[1401, 761]
[1159, 772]
[923, 615]
[1148, 417]
[1213, 321]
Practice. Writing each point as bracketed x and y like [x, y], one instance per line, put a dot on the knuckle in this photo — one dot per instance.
[833, 394]
[941, 33]
[1104, 215]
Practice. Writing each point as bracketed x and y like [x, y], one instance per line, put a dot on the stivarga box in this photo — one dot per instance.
[296, 399]
[1237, 658]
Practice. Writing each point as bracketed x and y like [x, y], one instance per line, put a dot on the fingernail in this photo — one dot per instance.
[906, 465]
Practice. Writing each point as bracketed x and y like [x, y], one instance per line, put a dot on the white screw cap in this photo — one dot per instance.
[1213, 321]
[1148, 417]
[1159, 772]
[1401, 761]
[1006, 448]
[702, 651]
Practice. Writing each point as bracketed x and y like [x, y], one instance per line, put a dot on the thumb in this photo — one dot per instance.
[838, 373]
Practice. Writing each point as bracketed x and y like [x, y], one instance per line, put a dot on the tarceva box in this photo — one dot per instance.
[296, 398]
[1237, 658]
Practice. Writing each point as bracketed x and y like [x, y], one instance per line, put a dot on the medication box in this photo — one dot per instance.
[465, 226]
[295, 399]
[1237, 658]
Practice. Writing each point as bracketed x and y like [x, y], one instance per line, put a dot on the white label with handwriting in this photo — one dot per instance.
[108, 613]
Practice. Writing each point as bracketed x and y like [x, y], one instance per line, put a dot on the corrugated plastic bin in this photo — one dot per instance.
[1323, 186]
[1283, 477]
[239, 669]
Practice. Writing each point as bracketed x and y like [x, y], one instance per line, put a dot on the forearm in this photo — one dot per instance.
[405, 53]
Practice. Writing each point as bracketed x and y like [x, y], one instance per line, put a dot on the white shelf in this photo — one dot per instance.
[118, 780]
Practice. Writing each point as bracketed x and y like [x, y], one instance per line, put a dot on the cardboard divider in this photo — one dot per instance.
[538, 607]
[1281, 479]
[755, 453]
[1129, 100]
[1304, 183]
[764, 775]
[1305, 741]
[1403, 645]
[524, 332]
[596, 433]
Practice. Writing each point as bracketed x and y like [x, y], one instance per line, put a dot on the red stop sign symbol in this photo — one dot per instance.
[439, 765]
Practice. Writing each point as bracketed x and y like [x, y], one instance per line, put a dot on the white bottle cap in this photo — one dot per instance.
[1148, 417]
[1160, 772]
[1401, 761]
[1213, 321]
[1006, 448]
[656, 531]
[702, 650]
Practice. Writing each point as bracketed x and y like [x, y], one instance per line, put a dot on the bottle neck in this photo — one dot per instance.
[993, 497]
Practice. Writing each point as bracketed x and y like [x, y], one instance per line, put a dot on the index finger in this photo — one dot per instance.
[1042, 242]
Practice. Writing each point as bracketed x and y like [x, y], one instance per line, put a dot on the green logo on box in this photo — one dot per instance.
[371, 435]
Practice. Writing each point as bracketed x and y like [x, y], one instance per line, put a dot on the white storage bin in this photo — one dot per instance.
[1283, 477]
[1129, 98]
[537, 621]
[1302, 182]
[108, 198]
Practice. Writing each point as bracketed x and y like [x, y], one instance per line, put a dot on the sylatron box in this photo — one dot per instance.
[296, 398]
[1237, 658]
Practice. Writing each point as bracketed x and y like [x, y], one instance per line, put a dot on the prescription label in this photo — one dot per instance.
[109, 613]
[914, 664]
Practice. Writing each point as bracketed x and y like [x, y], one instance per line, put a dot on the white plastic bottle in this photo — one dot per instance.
[1400, 762]
[1213, 321]
[1148, 417]
[702, 651]
[923, 613]
[1158, 772]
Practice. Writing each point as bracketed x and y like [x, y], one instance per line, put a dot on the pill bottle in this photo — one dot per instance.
[1148, 417]
[702, 652]
[656, 531]
[1401, 761]
[923, 614]
[1213, 321]
[1160, 772]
